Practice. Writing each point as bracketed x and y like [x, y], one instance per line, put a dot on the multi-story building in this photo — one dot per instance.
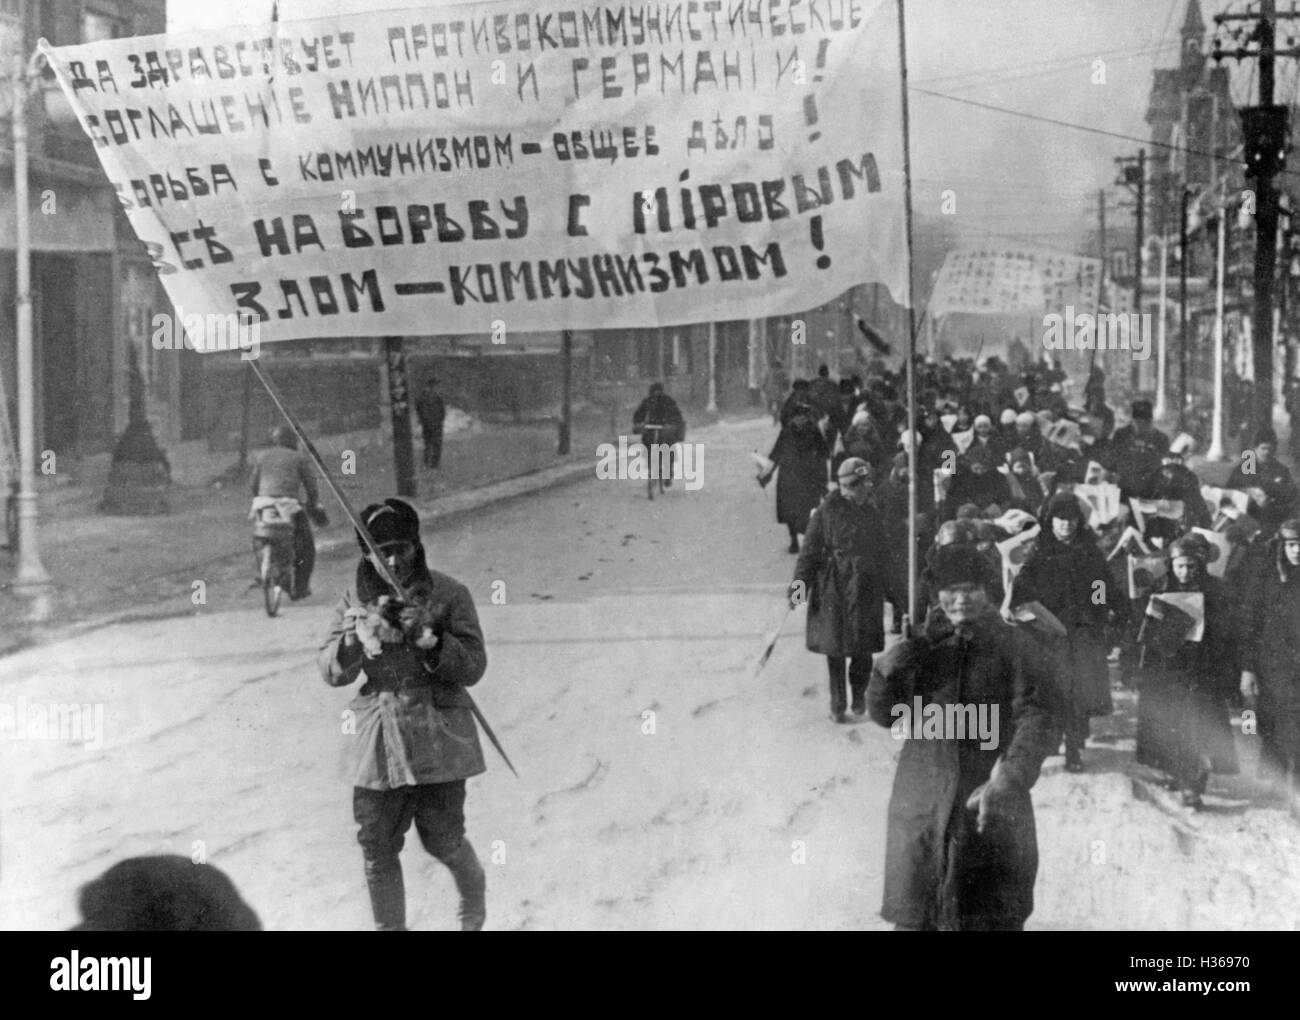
[94, 292]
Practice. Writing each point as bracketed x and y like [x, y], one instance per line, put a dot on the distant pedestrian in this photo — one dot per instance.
[842, 574]
[800, 459]
[1183, 725]
[1270, 661]
[432, 412]
[1067, 574]
[282, 473]
[1274, 493]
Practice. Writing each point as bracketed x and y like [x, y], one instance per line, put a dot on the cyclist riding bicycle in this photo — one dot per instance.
[659, 409]
[280, 476]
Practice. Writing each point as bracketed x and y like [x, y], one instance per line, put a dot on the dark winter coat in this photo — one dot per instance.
[844, 567]
[891, 499]
[1270, 647]
[800, 455]
[661, 409]
[1063, 578]
[1182, 714]
[939, 872]
[413, 721]
[983, 490]
[1136, 459]
[1276, 481]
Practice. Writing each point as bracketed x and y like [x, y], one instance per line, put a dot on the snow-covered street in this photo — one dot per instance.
[663, 785]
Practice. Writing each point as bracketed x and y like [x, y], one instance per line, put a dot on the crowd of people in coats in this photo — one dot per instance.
[1209, 624]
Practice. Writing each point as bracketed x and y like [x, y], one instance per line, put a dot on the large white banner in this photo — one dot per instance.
[508, 166]
[1000, 279]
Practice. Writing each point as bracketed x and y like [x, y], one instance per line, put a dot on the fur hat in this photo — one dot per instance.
[393, 520]
[164, 893]
[1190, 545]
[961, 564]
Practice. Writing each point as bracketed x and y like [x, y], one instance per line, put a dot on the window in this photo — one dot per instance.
[97, 26]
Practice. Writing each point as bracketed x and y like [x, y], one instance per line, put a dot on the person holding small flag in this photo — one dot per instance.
[1183, 725]
[1068, 575]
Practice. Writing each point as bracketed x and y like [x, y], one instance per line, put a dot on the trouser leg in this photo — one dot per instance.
[1077, 728]
[304, 555]
[383, 817]
[859, 676]
[836, 667]
[440, 823]
[433, 448]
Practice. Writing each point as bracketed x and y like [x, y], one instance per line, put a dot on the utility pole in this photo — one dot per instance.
[399, 409]
[1161, 405]
[566, 394]
[1183, 252]
[1264, 128]
[1216, 430]
[1134, 177]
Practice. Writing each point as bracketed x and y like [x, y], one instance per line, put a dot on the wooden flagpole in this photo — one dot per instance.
[911, 328]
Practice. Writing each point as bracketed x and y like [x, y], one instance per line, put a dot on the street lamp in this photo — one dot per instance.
[31, 578]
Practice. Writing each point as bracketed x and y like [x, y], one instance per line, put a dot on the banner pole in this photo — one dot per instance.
[367, 539]
[915, 443]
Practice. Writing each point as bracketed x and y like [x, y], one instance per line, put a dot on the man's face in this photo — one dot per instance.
[1186, 568]
[1022, 429]
[1264, 452]
[984, 430]
[399, 558]
[963, 603]
[1065, 528]
[978, 468]
[1142, 426]
[1020, 469]
[1291, 549]
[856, 488]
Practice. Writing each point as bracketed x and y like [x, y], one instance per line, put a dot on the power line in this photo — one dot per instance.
[1080, 127]
[1059, 65]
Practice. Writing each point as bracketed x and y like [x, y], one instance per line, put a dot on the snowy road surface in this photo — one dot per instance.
[663, 785]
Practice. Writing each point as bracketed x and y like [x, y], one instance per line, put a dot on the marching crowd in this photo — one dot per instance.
[1053, 547]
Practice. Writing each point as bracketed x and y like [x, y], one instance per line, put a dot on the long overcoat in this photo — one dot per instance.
[844, 566]
[1073, 582]
[940, 872]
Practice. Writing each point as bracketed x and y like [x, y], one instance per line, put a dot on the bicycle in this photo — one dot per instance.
[650, 435]
[273, 537]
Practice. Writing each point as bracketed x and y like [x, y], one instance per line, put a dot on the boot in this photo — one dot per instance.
[471, 883]
[387, 895]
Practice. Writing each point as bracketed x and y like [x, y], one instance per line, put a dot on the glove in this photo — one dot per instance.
[1249, 686]
[417, 626]
[373, 627]
[998, 801]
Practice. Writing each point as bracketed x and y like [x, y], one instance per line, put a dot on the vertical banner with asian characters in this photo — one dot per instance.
[441, 168]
